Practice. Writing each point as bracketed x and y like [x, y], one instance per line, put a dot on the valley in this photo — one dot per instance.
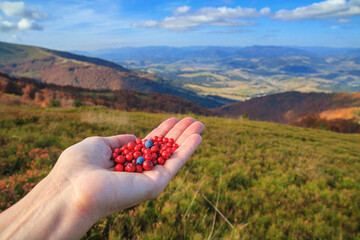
[241, 79]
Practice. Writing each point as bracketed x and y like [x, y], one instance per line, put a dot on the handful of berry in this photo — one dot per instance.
[143, 154]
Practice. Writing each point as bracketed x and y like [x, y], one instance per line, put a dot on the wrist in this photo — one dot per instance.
[51, 208]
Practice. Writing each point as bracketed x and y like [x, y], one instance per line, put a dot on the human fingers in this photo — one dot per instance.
[180, 127]
[195, 128]
[181, 155]
[163, 128]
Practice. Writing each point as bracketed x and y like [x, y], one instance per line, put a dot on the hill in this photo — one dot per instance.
[299, 108]
[336, 112]
[248, 180]
[30, 92]
[285, 107]
[67, 69]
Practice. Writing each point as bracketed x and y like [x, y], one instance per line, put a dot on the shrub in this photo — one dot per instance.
[54, 103]
[77, 103]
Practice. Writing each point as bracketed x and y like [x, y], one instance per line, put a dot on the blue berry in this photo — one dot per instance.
[140, 160]
[148, 144]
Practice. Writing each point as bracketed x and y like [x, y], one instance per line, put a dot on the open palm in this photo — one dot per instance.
[100, 191]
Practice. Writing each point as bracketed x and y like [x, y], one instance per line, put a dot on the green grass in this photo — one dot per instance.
[13, 53]
[248, 180]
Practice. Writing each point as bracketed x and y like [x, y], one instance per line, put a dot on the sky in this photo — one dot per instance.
[93, 24]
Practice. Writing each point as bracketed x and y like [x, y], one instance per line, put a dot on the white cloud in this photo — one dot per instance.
[7, 26]
[18, 9]
[18, 16]
[321, 10]
[181, 10]
[26, 24]
[343, 20]
[265, 11]
[183, 19]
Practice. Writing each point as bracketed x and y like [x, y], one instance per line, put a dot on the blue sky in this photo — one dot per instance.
[91, 25]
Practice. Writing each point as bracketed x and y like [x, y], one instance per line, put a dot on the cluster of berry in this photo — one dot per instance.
[143, 154]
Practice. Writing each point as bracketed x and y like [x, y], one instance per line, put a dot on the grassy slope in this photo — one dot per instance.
[269, 181]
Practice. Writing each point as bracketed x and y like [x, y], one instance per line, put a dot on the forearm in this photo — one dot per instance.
[47, 212]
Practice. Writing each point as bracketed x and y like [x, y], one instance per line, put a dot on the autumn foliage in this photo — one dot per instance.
[43, 94]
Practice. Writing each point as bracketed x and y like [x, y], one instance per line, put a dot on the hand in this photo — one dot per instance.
[83, 186]
[100, 191]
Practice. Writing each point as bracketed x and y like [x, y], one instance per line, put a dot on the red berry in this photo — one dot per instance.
[138, 141]
[130, 167]
[137, 154]
[161, 160]
[120, 159]
[147, 165]
[139, 169]
[148, 156]
[129, 156]
[154, 161]
[119, 168]
[114, 155]
[131, 145]
[154, 149]
[165, 154]
[125, 157]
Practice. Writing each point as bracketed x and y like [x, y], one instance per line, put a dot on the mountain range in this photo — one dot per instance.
[67, 69]
[244, 73]
[43, 76]
[165, 53]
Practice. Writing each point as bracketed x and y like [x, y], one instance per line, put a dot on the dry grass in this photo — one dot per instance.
[109, 117]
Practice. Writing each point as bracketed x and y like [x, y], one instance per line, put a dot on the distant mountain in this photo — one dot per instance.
[163, 53]
[289, 107]
[331, 52]
[28, 91]
[67, 69]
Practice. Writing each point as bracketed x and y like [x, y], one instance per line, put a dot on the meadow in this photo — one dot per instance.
[247, 179]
